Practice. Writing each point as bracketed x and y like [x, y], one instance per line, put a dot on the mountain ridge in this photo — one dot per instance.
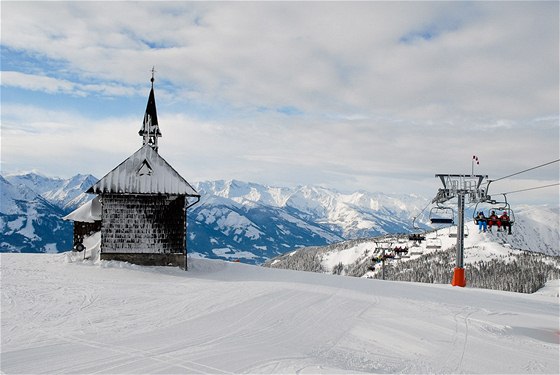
[238, 220]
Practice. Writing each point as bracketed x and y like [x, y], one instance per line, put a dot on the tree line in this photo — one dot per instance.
[519, 271]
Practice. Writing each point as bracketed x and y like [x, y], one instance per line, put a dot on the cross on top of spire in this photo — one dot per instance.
[150, 128]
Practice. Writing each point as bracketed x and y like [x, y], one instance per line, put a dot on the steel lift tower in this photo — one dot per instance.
[461, 187]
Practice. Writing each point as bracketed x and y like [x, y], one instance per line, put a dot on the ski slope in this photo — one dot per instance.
[62, 315]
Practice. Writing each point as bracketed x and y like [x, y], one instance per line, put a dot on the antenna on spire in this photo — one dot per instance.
[153, 72]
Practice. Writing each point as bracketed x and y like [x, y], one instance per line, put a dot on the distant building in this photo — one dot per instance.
[144, 204]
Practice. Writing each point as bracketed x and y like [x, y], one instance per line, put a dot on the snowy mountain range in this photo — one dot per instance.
[254, 222]
[244, 221]
[234, 220]
[31, 211]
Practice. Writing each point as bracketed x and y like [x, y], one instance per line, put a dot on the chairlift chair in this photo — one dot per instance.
[400, 250]
[433, 243]
[453, 233]
[417, 234]
[498, 207]
[417, 237]
[442, 215]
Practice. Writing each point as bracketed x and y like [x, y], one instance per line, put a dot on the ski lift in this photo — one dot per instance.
[453, 231]
[417, 234]
[400, 250]
[499, 208]
[433, 243]
[442, 215]
[417, 237]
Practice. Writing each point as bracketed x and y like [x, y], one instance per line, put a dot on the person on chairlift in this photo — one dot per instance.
[505, 221]
[493, 220]
[481, 221]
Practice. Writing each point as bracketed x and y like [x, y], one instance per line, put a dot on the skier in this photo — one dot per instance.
[493, 220]
[481, 221]
[505, 221]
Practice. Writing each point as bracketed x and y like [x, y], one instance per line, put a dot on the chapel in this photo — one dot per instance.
[143, 204]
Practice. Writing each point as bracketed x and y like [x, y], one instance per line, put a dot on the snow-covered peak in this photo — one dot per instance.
[243, 192]
[67, 194]
[35, 181]
[10, 193]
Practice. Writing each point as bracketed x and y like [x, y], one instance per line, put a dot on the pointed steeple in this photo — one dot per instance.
[150, 130]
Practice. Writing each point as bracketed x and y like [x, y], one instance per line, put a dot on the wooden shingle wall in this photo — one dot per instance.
[133, 224]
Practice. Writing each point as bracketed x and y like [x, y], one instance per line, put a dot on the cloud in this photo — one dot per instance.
[348, 94]
[37, 83]
[51, 85]
[465, 59]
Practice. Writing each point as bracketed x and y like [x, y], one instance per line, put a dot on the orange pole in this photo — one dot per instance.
[459, 277]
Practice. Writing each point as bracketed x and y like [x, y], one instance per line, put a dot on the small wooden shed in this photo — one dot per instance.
[87, 221]
[144, 203]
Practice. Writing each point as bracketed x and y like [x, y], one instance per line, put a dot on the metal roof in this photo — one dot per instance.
[144, 172]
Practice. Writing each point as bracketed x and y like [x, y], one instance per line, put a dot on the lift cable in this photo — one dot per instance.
[417, 216]
[526, 170]
[533, 188]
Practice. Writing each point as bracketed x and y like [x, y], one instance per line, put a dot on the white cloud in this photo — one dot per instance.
[374, 93]
[312, 55]
[37, 83]
[51, 85]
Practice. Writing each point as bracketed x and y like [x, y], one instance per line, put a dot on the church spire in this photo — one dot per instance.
[150, 129]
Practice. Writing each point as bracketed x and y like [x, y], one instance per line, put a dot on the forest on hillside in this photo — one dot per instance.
[523, 272]
[519, 271]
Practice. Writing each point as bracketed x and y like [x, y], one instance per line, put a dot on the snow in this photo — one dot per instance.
[346, 256]
[50, 248]
[17, 223]
[552, 288]
[61, 314]
[229, 253]
[126, 177]
[89, 212]
[28, 230]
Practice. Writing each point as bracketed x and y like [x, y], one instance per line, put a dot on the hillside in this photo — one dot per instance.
[254, 222]
[66, 194]
[63, 315]
[521, 262]
[30, 223]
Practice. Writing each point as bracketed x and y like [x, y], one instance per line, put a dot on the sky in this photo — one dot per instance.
[375, 96]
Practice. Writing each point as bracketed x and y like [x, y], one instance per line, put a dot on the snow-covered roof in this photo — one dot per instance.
[88, 212]
[144, 172]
